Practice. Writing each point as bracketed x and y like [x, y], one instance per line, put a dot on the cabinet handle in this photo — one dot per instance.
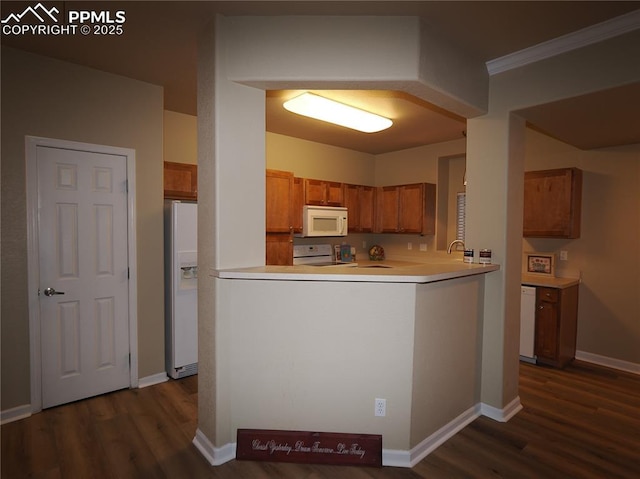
[540, 307]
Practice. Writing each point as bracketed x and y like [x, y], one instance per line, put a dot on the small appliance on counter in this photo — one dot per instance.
[319, 255]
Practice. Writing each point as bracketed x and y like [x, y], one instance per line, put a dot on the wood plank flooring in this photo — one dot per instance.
[583, 422]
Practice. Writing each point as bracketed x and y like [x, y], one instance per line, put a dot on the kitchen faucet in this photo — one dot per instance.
[452, 243]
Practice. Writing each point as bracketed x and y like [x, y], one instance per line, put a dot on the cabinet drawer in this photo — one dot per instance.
[548, 294]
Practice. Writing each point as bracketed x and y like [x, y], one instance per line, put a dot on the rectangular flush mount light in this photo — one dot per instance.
[323, 109]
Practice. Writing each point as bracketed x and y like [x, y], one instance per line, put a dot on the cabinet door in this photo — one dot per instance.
[279, 201]
[552, 203]
[366, 205]
[180, 181]
[334, 193]
[388, 209]
[352, 203]
[406, 209]
[298, 203]
[411, 208]
[323, 193]
[279, 249]
[314, 192]
[546, 337]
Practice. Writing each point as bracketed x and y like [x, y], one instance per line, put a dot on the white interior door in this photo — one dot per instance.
[83, 273]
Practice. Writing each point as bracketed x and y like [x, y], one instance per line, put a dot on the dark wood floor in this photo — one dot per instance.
[583, 422]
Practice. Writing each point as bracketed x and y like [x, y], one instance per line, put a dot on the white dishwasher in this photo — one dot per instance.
[527, 323]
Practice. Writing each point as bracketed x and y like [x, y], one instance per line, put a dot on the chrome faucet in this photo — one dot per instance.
[452, 243]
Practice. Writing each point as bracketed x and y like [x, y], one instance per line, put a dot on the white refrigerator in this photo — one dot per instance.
[181, 288]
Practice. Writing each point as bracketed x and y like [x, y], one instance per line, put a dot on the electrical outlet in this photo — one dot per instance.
[380, 407]
[423, 246]
[564, 255]
[409, 246]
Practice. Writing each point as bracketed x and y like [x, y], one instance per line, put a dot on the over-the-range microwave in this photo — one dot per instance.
[324, 221]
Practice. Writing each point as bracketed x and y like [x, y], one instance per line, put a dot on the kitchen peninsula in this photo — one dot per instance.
[310, 348]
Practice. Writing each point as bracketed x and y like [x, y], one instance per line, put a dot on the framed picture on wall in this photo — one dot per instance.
[543, 264]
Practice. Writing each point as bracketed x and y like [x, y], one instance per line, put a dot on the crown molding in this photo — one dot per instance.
[571, 41]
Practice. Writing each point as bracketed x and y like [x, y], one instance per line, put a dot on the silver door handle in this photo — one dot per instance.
[51, 292]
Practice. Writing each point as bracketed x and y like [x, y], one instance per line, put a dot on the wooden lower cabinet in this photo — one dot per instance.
[556, 325]
[279, 249]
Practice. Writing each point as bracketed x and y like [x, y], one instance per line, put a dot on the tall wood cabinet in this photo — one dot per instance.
[180, 181]
[556, 325]
[552, 203]
[406, 209]
[279, 217]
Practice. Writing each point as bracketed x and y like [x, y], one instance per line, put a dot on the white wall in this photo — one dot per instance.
[293, 366]
[308, 159]
[180, 138]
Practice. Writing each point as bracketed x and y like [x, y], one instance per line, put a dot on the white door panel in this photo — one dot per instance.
[82, 245]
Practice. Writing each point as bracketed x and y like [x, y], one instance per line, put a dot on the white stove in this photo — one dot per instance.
[317, 255]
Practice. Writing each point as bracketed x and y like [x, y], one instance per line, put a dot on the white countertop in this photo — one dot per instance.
[549, 282]
[387, 271]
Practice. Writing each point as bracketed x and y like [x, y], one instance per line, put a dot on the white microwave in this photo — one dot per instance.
[324, 221]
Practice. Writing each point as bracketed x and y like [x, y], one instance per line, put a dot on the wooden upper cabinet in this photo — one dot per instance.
[279, 201]
[388, 209]
[367, 208]
[323, 193]
[552, 203]
[360, 203]
[180, 181]
[406, 209]
[351, 202]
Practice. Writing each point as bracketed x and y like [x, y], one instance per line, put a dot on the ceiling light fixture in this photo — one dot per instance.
[323, 109]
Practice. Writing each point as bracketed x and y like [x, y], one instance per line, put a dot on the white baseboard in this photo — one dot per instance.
[504, 414]
[215, 455]
[431, 443]
[605, 361]
[390, 457]
[15, 414]
[153, 379]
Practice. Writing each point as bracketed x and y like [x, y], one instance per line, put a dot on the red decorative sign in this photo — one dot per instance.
[309, 447]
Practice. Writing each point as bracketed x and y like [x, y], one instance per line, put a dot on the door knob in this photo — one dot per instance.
[51, 292]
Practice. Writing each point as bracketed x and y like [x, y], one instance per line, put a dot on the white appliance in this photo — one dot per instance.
[317, 255]
[527, 323]
[320, 221]
[181, 288]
